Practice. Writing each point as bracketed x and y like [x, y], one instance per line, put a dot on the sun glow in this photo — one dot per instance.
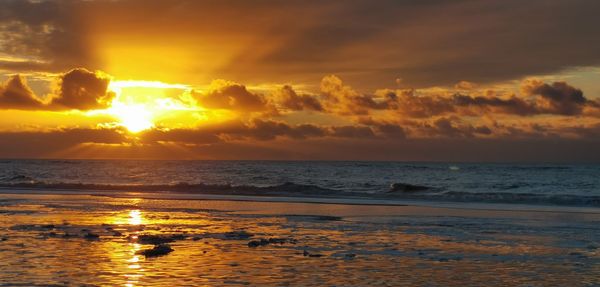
[139, 104]
[134, 117]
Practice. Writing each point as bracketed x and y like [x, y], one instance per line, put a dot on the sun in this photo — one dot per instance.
[134, 117]
[138, 104]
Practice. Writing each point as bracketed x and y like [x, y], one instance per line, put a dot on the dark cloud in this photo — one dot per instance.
[266, 130]
[78, 89]
[63, 142]
[28, 144]
[352, 132]
[287, 98]
[425, 43]
[48, 34]
[82, 90]
[262, 130]
[560, 97]
[433, 42]
[231, 96]
[15, 94]
[512, 105]
[454, 128]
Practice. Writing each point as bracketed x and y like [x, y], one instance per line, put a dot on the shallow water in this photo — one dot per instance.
[360, 245]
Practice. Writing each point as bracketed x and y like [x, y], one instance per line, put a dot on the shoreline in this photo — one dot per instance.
[169, 195]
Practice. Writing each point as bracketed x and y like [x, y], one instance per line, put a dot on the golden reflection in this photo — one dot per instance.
[135, 217]
[135, 269]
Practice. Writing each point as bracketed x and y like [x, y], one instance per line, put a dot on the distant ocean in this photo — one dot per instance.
[546, 184]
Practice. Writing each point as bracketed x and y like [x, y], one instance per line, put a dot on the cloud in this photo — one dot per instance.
[454, 128]
[93, 143]
[537, 98]
[342, 99]
[46, 35]
[352, 132]
[288, 99]
[230, 96]
[82, 90]
[558, 98]
[425, 43]
[15, 94]
[46, 143]
[78, 89]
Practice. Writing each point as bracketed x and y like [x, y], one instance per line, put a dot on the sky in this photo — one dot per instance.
[427, 80]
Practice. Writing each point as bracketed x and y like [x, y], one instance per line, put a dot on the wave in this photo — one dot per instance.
[396, 191]
[288, 188]
[512, 198]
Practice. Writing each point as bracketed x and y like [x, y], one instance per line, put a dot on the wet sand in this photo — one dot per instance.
[90, 240]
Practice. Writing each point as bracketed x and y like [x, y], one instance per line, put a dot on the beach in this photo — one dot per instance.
[59, 238]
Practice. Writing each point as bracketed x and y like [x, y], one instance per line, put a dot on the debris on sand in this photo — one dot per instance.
[158, 250]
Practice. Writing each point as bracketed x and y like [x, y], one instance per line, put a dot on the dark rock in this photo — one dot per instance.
[272, 240]
[350, 255]
[306, 253]
[284, 240]
[404, 187]
[158, 250]
[3, 238]
[257, 243]
[68, 235]
[237, 235]
[48, 226]
[91, 236]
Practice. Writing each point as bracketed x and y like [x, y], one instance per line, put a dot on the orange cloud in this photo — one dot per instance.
[230, 96]
[286, 98]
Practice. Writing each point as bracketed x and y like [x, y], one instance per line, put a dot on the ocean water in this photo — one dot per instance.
[548, 184]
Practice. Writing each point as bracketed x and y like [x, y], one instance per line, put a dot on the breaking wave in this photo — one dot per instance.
[396, 191]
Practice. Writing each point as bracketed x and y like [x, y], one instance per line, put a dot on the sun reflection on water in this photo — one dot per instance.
[135, 268]
[133, 263]
[135, 217]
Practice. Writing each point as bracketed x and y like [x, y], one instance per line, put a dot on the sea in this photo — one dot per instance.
[221, 223]
[538, 184]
